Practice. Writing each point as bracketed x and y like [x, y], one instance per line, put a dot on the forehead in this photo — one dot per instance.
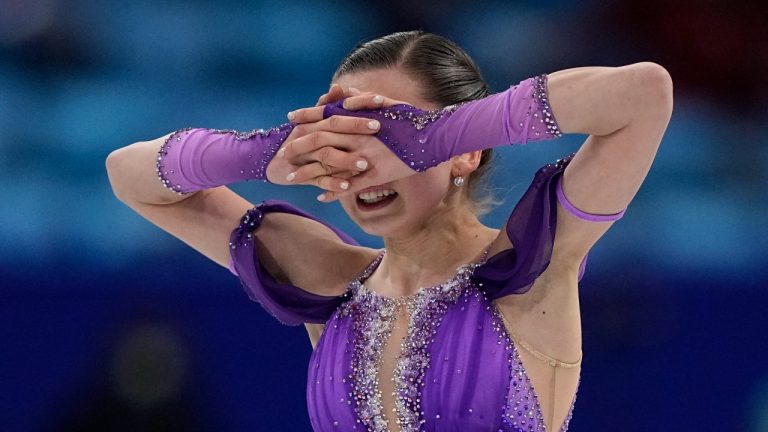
[390, 83]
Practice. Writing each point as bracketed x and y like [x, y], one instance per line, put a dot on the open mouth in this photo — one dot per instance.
[375, 199]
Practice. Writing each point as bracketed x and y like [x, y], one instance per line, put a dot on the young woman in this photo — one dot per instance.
[454, 325]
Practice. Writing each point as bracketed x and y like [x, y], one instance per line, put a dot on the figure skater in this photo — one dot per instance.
[453, 325]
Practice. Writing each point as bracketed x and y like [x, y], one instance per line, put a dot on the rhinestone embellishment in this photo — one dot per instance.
[162, 173]
[269, 142]
[374, 317]
[541, 96]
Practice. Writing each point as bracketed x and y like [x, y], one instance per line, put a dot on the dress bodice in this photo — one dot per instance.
[458, 368]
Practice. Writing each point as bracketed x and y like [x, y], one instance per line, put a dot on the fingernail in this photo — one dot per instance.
[344, 185]
[291, 115]
[281, 153]
[362, 164]
[378, 99]
[345, 104]
[290, 176]
[321, 197]
[373, 124]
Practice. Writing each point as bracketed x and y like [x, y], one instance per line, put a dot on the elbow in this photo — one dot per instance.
[654, 84]
[113, 164]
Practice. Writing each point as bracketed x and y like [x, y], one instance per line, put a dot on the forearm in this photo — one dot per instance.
[602, 100]
[133, 175]
[193, 159]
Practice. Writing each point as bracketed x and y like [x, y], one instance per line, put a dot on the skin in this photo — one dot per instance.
[430, 228]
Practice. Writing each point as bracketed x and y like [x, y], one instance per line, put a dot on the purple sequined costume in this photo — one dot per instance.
[459, 369]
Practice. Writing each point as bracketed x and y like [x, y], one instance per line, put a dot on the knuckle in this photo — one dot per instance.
[334, 122]
[300, 129]
[324, 154]
[326, 183]
[314, 139]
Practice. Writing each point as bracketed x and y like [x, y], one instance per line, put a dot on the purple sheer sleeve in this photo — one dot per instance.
[422, 139]
[531, 229]
[289, 304]
[192, 159]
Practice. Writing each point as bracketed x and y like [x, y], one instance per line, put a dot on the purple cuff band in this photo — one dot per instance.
[582, 214]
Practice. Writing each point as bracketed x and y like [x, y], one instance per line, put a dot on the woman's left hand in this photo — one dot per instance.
[384, 166]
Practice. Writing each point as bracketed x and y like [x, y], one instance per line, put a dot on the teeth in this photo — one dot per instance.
[375, 196]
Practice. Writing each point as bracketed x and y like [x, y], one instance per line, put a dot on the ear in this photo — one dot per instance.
[466, 163]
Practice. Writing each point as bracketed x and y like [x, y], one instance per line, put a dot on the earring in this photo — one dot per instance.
[458, 181]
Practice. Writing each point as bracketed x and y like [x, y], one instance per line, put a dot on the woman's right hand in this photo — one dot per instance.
[330, 164]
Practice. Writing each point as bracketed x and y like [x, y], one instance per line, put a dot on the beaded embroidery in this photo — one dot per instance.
[522, 412]
[540, 95]
[270, 147]
[162, 174]
[373, 317]
[419, 119]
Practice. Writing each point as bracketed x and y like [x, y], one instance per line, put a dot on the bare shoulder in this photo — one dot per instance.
[335, 266]
[361, 258]
[306, 253]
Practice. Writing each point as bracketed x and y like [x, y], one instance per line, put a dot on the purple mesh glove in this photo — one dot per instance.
[192, 159]
[423, 139]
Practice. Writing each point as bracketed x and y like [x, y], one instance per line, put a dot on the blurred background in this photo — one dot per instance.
[109, 324]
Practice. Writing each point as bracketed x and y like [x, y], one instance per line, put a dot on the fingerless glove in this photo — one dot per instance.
[423, 139]
[192, 159]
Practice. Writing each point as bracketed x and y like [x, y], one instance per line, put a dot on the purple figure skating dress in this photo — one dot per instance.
[459, 368]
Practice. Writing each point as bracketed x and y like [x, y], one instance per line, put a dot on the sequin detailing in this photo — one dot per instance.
[373, 315]
[541, 96]
[267, 143]
[522, 411]
[249, 222]
[419, 118]
[162, 173]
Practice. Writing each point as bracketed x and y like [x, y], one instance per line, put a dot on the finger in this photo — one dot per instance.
[307, 115]
[322, 100]
[297, 150]
[335, 92]
[330, 196]
[327, 197]
[367, 101]
[328, 161]
[332, 184]
[362, 181]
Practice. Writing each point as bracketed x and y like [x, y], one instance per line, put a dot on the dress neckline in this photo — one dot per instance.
[462, 272]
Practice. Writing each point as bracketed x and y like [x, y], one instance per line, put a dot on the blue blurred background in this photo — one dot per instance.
[109, 324]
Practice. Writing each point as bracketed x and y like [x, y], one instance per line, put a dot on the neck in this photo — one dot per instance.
[431, 255]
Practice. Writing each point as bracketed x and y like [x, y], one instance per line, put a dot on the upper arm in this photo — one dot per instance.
[292, 248]
[601, 178]
[608, 170]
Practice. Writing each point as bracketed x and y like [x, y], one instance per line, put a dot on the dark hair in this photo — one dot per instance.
[446, 73]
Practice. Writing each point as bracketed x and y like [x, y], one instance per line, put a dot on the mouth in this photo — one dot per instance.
[376, 199]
